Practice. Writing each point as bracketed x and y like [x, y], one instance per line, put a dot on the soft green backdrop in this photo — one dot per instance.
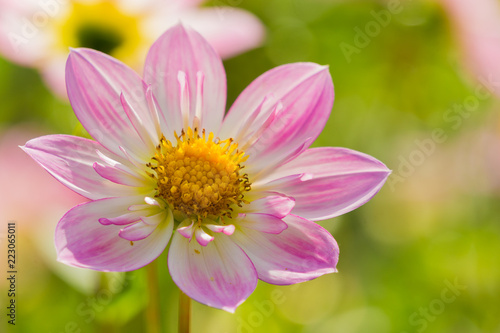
[422, 256]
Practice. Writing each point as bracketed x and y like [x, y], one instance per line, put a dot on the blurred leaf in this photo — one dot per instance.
[128, 296]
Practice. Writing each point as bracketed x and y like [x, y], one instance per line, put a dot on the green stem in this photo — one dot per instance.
[184, 312]
[153, 323]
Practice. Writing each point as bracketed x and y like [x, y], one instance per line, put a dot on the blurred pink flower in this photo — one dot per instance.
[32, 199]
[21, 176]
[38, 33]
[477, 28]
[241, 190]
[475, 153]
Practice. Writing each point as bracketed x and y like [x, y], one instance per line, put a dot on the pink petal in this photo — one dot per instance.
[182, 50]
[202, 237]
[225, 229]
[70, 160]
[148, 214]
[262, 222]
[263, 166]
[81, 241]
[145, 227]
[149, 138]
[302, 252]
[94, 83]
[136, 231]
[121, 177]
[156, 219]
[265, 184]
[153, 202]
[219, 275]
[186, 229]
[126, 218]
[228, 29]
[342, 180]
[278, 206]
[298, 97]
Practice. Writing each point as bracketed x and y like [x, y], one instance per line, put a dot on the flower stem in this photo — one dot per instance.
[184, 312]
[153, 323]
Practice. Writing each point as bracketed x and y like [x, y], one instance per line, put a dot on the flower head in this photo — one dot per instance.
[39, 33]
[236, 194]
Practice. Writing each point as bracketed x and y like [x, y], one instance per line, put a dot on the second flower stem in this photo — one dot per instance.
[184, 312]
[153, 309]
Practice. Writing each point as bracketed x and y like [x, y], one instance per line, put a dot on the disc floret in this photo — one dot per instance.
[200, 175]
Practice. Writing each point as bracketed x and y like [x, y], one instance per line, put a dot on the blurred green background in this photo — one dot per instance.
[422, 256]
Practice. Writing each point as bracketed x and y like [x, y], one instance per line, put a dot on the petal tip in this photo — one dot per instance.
[179, 28]
[104, 221]
[306, 176]
[229, 230]
[229, 309]
[75, 51]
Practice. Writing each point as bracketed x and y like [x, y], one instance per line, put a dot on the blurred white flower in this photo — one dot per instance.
[38, 33]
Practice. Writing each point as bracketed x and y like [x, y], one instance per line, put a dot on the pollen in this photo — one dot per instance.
[200, 175]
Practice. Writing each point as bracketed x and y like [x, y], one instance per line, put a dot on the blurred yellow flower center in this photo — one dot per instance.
[200, 176]
[102, 26]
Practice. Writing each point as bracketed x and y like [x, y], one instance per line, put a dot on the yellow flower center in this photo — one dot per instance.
[199, 176]
[102, 26]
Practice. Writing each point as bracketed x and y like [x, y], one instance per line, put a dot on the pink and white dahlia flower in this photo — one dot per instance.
[237, 194]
